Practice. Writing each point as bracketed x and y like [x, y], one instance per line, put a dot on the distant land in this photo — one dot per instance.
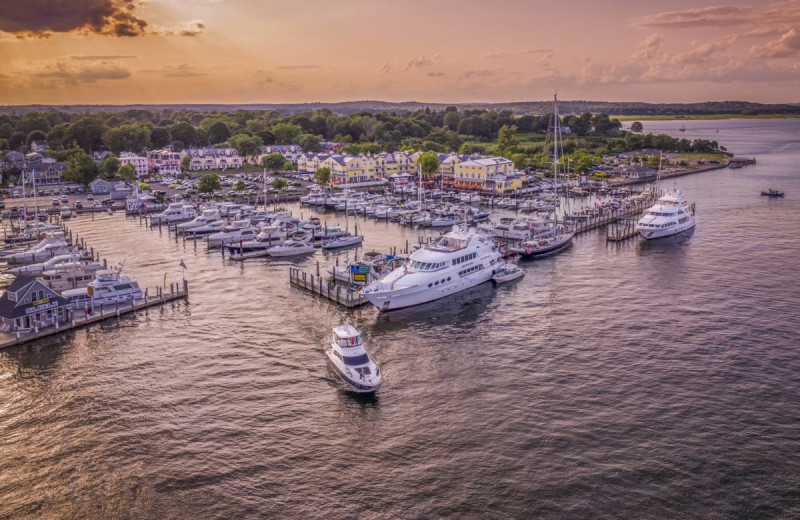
[710, 108]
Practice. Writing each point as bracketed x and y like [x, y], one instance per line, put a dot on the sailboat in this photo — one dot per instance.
[558, 237]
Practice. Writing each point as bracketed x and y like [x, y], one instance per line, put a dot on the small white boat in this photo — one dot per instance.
[291, 248]
[508, 273]
[342, 241]
[346, 355]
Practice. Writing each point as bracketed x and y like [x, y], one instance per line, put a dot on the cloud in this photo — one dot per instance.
[182, 70]
[484, 73]
[423, 61]
[106, 57]
[60, 74]
[113, 18]
[192, 28]
[722, 16]
[298, 67]
[436, 74]
[506, 54]
[784, 47]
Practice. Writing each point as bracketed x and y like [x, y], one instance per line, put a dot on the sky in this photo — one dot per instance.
[293, 51]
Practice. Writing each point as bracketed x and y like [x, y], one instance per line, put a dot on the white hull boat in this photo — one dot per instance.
[351, 363]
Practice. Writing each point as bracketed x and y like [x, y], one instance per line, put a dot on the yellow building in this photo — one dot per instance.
[351, 168]
[505, 183]
[475, 172]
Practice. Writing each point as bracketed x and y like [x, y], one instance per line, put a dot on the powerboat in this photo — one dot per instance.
[233, 232]
[457, 260]
[670, 215]
[209, 229]
[57, 262]
[772, 193]
[175, 212]
[291, 247]
[342, 241]
[70, 276]
[258, 246]
[351, 363]
[53, 244]
[208, 216]
[108, 286]
[508, 273]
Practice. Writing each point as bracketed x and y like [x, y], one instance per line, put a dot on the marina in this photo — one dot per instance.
[198, 398]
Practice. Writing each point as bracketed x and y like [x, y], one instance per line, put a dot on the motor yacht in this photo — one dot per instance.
[175, 212]
[457, 260]
[671, 214]
[70, 276]
[342, 241]
[291, 247]
[108, 286]
[508, 273]
[208, 216]
[351, 363]
[232, 233]
[58, 261]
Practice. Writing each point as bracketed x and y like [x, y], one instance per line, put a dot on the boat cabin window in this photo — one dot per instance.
[356, 360]
[349, 342]
[122, 286]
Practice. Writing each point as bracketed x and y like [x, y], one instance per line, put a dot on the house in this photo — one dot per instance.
[504, 183]
[208, 158]
[99, 157]
[292, 152]
[34, 157]
[101, 186]
[138, 162]
[44, 173]
[119, 190]
[475, 171]
[11, 159]
[39, 146]
[633, 171]
[164, 161]
[328, 147]
[28, 303]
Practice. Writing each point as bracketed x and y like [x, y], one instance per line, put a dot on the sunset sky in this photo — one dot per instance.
[278, 51]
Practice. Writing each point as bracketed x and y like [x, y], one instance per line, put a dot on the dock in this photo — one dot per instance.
[622, 229]
[80, 319]
[740, 162]
[327, 289]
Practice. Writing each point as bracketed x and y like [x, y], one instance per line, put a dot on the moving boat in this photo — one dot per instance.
[346, 355]
[291, 247]
[772, 193]
[508, 273]
[108, 286]
[670, 215]
[457, 260]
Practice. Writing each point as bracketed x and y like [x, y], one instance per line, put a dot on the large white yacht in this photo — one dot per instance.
[346, 354]
[671, 214]
[108, 286]
[456, 261]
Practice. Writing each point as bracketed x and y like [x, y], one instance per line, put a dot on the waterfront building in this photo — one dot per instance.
[11, 159]
[138, 162]
[164, 161]
[29, 303]
[475, 171]
[208, 158]
[292, 152]
[44, 173]
[504, 182]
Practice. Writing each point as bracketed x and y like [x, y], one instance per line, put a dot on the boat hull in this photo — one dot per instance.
[352, 384]
[394, 299]
[653, 234]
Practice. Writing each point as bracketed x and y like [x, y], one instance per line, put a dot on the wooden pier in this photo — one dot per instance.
[622, 229]
[80, 319]
[610, 217]
[326, 288]
[739, 162]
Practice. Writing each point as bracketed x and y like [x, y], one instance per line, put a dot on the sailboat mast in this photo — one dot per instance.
[556, 136]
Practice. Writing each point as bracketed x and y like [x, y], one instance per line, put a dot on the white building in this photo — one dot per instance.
[138, 162]
[165, 161]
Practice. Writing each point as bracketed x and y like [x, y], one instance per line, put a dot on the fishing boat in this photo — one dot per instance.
[508, 273]
[772, 193]
[350, 361]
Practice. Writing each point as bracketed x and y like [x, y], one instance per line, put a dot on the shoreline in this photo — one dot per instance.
[628, 182]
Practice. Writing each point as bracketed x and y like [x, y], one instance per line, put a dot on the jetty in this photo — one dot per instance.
[740, 162]
[82, 318]
[328, 289]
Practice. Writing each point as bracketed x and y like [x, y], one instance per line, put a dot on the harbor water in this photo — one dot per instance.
[615, 380]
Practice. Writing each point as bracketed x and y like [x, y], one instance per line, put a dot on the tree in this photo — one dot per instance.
[132, 137]
[209, 183]
[86, 132]
[246, 145]
[186, 162]
[286, 133]
[507, 139]
[429, 163]
[273, 161]
[16, 140]
[35, 135]
[218, 133]
[82, 169]
[279, 184]
[159, 137]
[127, 172]
[309, 142]
[323, 176]
[183, 132]
[637, 127]
[110, 167]
[239, 185]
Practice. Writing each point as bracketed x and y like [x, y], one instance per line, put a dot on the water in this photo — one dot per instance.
[634, 380]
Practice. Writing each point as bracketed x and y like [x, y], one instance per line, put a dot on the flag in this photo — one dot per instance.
[183, 264]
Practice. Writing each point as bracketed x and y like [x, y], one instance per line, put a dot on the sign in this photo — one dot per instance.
[50, 305]
[41, 302]
[363, 269]
[359, 278]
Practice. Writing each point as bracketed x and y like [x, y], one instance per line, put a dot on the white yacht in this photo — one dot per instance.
[291, 248]
[456, 261]
[346, 355]
[240, 230]
[54, 243]
[342, 241]
[671, 214]
[208, 216]
[70, 276]
[175, 212]
[108, 286]
[67, 260]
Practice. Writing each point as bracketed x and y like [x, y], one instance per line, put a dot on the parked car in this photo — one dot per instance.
[79, 205]
[89, 197]
[64, 199]
[56, 202]
[108, 202]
